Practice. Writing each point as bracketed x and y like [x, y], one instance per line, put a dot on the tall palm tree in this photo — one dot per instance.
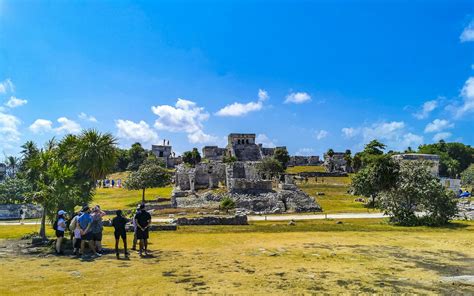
[96, 153]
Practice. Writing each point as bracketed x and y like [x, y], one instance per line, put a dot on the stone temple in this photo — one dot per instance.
[208, 182]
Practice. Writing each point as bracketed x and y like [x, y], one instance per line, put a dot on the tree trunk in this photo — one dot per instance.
[143, 196]
[42, 231]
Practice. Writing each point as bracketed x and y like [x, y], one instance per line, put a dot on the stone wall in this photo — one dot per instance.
[249, 186]
[303, 160]
[213, 220]
[12, 211]
[205, 175]
[214, 153]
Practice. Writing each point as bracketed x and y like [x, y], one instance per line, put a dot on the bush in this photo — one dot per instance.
[227, 204]
[467, 177]
[15, 191]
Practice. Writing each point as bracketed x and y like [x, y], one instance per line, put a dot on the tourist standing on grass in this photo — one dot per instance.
[119, 223]
[134, 246]
[60, 227]
[97, 228]
[85, 224]
[143, 220]
[75, 230]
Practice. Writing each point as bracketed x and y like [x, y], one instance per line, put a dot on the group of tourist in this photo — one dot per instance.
[109, 183]
[86, 227]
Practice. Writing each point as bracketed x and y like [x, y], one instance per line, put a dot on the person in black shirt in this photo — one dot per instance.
[119, 223]
[142, 220]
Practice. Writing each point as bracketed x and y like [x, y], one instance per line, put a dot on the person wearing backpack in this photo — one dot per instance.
[60, 226]
[76, 233]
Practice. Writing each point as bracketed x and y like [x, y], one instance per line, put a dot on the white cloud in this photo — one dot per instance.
[438, 125]
[41, 126]
[441, 136]
[411, 140]
[349, 132]
[321, 134]
[427, 108]
[467, 94]
[305, 152]
[468, 33]
[6, 86]
[262, 95]
[9, 125]
[14, 102]
[67, 126]
[137, 132]
[186, 116]
[265, 141]
[86, 117]
[201, 138]
[240, 109]
[298, 98]
[394, 134]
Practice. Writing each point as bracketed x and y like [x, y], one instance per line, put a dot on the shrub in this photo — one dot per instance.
[227, 204]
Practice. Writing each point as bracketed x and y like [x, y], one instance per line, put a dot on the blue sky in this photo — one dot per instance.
[310, 75]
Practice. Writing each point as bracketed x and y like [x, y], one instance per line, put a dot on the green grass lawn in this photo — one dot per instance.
[312, 257]
[305, 169]
[336, 199]
[120, 198]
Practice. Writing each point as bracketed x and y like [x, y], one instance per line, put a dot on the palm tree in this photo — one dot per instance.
[96, 153]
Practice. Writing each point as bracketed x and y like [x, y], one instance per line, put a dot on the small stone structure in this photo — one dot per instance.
[214, 153]
[336, 163]
[12, 211]
[431, 158]
[165, 153]
[303, 160]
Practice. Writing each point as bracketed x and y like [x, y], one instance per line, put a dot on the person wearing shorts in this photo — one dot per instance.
[142, 220]
[119, 223]
[85, 223]
[61, 227]
[97, 228]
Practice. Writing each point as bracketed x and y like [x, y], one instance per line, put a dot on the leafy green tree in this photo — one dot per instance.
[467, 177]
[417, 190]
[282, 156]
[269, 167]
[448, 153]
[123, 160]
[379, 175]
[374, 147]
[14, 191]
[330, 152]
[137, 155]
[192, 157]
[229, 159]
[148, 175]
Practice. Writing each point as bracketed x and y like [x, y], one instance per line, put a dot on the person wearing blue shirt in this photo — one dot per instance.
[85, 222]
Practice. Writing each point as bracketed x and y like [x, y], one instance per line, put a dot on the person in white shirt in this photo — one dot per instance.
[60, 227]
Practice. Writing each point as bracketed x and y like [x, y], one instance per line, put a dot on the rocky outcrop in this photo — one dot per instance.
[280, 201]
[213, 220]
[465, 210]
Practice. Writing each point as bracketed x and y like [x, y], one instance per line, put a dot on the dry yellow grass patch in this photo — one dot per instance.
[262, 258]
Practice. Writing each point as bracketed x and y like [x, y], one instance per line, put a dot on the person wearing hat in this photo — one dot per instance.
[60, 228]
[85, 223]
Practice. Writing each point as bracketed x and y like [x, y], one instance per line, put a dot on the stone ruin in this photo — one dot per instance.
[336, 163]
[206, 184]
[165, 153]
